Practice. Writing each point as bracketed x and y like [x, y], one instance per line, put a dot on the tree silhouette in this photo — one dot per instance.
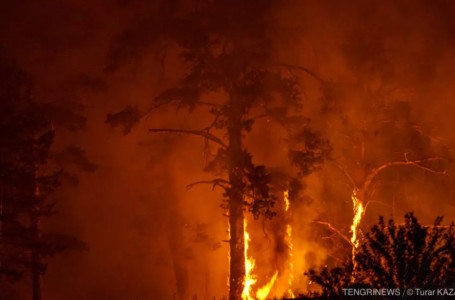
[227, 50]
[392, 255]
[26, 181]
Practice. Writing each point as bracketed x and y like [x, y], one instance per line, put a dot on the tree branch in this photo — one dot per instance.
[375, 201]
[301, 68]
[335, 257]
[215, 182]
[346, 173]
[333, 229]
[158, 105]
[416, 163]
[213, 124]
[201, 133]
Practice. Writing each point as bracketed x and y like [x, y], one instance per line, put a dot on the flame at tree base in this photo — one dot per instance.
[264, 291]
[250, 279]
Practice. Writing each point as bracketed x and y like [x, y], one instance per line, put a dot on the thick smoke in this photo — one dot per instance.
[150, 237]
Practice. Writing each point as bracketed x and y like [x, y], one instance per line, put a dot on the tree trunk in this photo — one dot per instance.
[2, 196]
[235, 198]
[34, 255]
[36, 262]
[237, 249]
[175, 239]
[36, 278]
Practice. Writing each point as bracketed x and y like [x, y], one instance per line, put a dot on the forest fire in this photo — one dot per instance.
[156, 149]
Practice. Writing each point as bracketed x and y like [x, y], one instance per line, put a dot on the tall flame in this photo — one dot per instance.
[264, 291]
[250, 279]
[290, 244]
[358, 214]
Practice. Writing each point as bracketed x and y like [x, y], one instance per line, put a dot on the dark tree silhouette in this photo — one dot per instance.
[392, 255]
[26, 181]
[227, 50]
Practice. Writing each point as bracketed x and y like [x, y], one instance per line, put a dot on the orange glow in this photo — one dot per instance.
[250, 279]
[264, 291]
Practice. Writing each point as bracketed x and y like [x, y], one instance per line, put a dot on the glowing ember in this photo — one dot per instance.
[250, 279]
[290, 245]
[264, 291]
[358, 214]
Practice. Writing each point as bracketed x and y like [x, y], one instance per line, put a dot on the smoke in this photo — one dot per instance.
[152, 238]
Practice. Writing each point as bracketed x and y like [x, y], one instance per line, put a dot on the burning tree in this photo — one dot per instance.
[26, 183]
[392, 255]
[380, 144]
[227, 51]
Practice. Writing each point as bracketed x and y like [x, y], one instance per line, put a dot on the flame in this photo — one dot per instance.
[250, 279]
[264, 291]
[358, 214]
[290, 245]
[286, 200]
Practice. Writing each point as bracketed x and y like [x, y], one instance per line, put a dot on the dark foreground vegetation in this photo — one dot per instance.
[396, 256]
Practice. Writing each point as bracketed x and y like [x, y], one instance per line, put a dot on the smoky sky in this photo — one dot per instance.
[134, 211]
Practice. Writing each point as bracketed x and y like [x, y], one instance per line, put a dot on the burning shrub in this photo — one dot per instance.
[402, 256]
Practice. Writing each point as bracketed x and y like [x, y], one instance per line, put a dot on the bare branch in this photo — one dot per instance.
[415, 163]
[335, 257]
[330, 226]
[215, 182]
[213, 124]
[375, 201]
[329, 237]
[201, 133]
[156, 105]
[301, 68]
[348, 176]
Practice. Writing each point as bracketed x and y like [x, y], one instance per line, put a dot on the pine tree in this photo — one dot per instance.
[227, 50]
[26, 182]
